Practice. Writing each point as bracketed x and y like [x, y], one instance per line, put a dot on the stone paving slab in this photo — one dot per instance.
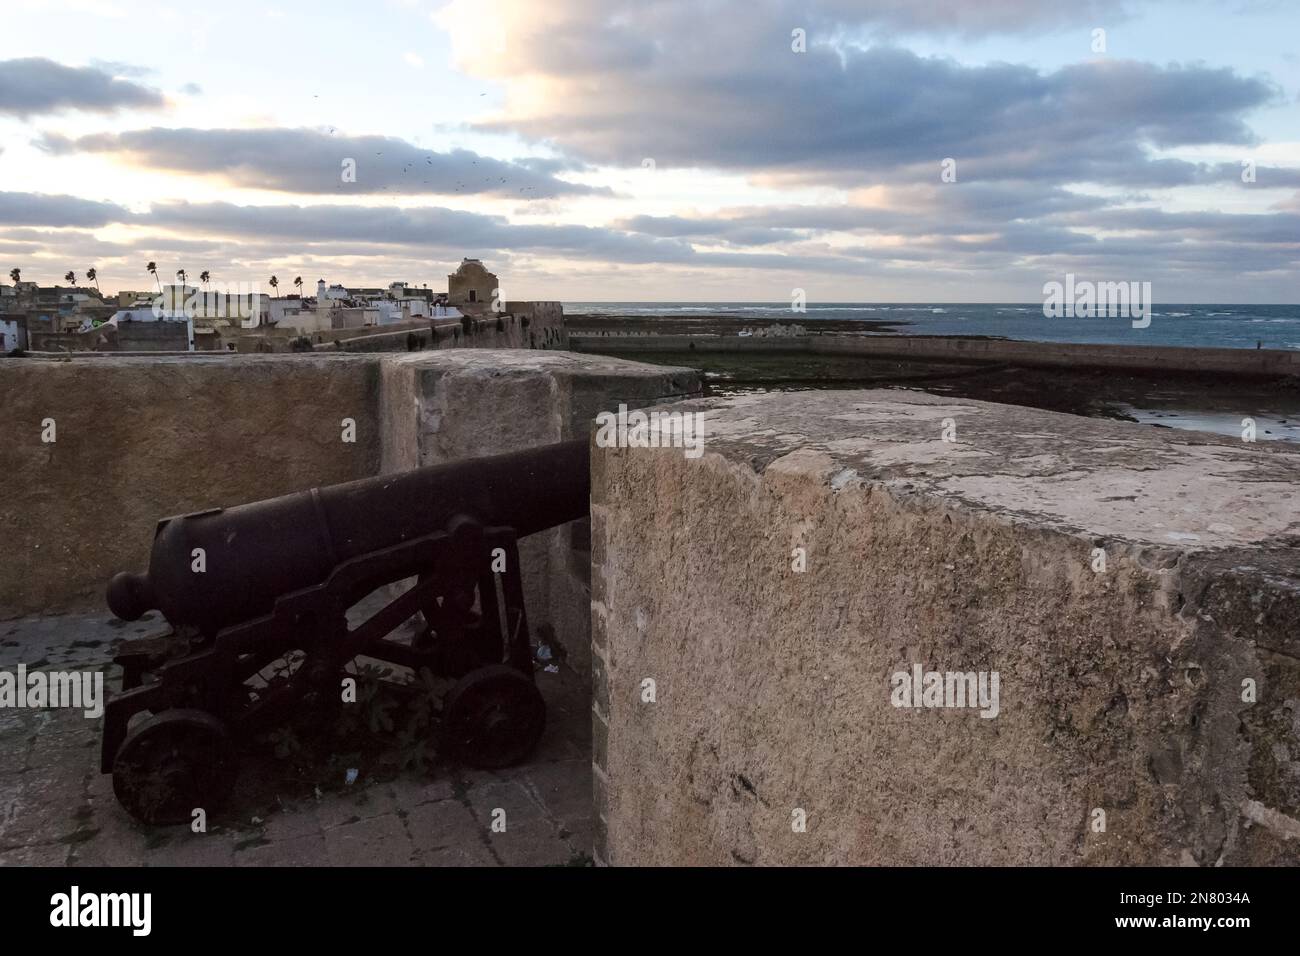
[57, 809]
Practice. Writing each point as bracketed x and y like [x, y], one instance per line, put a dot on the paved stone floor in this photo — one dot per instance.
[56, 808]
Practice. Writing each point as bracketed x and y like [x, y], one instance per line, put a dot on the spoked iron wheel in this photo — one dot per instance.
[493, 717]
[173, 763]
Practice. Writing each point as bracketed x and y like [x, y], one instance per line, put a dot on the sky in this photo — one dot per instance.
[674, 150]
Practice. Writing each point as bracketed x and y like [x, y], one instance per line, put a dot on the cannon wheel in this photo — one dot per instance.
[493, 717]
[174, 763]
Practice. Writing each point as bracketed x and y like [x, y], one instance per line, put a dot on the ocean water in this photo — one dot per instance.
[1203, 326]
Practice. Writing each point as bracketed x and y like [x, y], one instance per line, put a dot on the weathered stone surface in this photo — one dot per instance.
[138, 439]
[465, 403]
[1121, 690]
[523, 325]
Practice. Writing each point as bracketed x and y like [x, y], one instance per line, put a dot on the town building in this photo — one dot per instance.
[13, 332]
[183, 317]
[472, 288]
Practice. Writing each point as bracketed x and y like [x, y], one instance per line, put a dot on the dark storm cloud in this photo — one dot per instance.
[312, 161]
[35, 85]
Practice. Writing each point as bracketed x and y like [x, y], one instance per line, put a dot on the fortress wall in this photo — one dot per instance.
[1136, 591]
[139, 439]
[522, 325]
[465, 403]
[1155, 358]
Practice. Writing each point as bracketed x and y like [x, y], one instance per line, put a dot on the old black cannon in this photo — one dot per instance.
[264, 583]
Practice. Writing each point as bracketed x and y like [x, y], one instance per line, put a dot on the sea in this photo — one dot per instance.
[1203, 326]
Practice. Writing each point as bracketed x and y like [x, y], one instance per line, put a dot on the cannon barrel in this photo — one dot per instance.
[254, 553]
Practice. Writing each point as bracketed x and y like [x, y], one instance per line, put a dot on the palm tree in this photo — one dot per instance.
[92, 275]
[16, 275]
[71, 277]
[298, 283]
[275, 283]
[204, 276]
[152, 269]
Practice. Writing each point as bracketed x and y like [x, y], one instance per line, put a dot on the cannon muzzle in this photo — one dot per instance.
[130, 596]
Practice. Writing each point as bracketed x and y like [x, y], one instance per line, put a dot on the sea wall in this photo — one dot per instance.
[1135, 592]
[521, 325]
[1155, 358]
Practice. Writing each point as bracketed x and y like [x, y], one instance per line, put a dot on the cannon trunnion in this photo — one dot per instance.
[250, 586]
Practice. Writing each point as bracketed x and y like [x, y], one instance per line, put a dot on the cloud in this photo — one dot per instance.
[710, 228]
[38, 209]
[35, 85]
[985, 18]
[854, 242]
[909, 210]
[477, 233]
[614, 83]
[884, 111]
[312, 161]
[373, 230]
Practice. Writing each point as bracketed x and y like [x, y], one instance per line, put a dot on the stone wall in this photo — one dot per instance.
[128, 337]
[523, 325]
[465, 403]
[138, 439]
[1150, 358]
[1136, 590]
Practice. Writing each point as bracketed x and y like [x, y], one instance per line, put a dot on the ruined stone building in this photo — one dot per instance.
[471, 288]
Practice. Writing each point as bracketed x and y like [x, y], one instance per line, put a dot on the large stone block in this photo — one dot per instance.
[466, 403]
[1136, 591]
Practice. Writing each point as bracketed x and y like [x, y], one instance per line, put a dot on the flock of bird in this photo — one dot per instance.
[429, 161]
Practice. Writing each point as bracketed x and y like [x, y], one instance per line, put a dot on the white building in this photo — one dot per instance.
[147, 313]
[287, 313]
[13, 333]
[334, 293]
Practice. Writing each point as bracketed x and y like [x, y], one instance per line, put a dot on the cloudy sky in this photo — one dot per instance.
[660, 149]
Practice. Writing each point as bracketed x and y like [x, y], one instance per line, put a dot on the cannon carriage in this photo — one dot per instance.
[246, 587]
